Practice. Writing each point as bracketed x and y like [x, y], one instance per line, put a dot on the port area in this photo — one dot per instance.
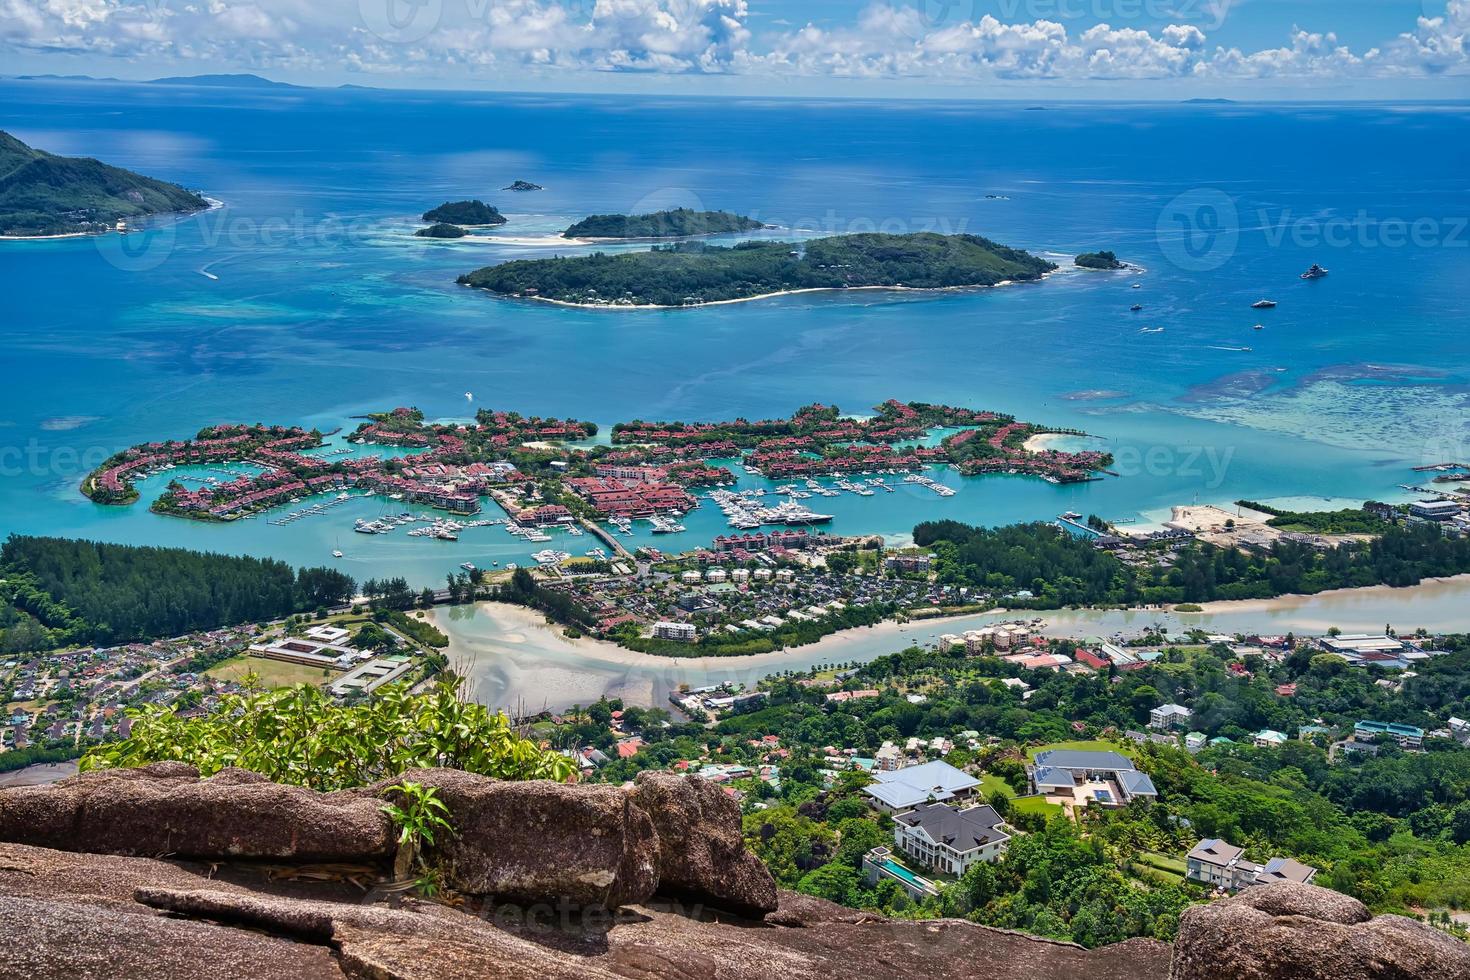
[557, 473]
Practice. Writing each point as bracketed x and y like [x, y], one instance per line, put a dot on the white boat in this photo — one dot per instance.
[336, 554]
[467, 566]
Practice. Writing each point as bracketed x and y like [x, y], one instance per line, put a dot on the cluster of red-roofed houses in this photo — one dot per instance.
[630, 498]
[783, 464]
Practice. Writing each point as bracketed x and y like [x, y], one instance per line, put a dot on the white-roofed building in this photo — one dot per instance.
[933, 782]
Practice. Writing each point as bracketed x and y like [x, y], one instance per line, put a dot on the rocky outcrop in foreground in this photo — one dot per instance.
[545, 882]
[166, 808]
[90, 917]
[1302, 932]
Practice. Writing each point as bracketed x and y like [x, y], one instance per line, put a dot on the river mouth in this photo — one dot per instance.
[514, 660]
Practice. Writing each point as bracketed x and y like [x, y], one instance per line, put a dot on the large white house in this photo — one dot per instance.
[948, 839]
[932, 782]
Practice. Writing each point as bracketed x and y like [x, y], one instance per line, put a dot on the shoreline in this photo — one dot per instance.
[1041, 442]
[522, 618]
[761, 296]
[1293, 600]
[214, 205]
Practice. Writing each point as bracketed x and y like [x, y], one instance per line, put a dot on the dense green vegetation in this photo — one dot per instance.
[1051, 882]
[298, 735]
[678, 223]
[44, 194]
[441, 230]
[465, 213]
[58, 591]
[1060, 569]
[1099, 260]
[693, 272]
[1392, 830]
[1349, 520]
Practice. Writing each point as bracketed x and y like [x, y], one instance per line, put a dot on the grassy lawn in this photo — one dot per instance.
[273, 673]
[1082, 745]
[991, 784]
[1037, 804]
[1149, 873]
[1164, 862]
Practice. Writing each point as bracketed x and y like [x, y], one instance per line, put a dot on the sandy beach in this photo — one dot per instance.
[751, 299]
[1429, 588]
[515, 660]
[47, 238]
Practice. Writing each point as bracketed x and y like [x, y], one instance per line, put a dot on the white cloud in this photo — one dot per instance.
[886, 39]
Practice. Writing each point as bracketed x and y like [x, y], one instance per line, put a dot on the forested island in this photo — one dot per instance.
[440, 230]
[1100, 260]
[45, 194]
[678, 223]
[464, 213]
[694, 273]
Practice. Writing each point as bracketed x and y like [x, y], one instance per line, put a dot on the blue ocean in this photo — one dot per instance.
[304, 298]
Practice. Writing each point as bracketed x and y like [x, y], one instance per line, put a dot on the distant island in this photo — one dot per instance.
[523, 185]
[678, 223]
[244, 80]
[1210, 102]
[695, 273]
[440, 230]
[465, 213]
[44, 194]
[1099, 260]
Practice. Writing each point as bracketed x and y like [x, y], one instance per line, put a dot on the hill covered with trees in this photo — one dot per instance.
[57, 591]
[1060, 569]
[464, 213]
[45, 194]
[678, 223]
[691, 273]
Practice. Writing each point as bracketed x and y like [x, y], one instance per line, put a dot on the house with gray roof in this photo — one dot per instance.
[948, 839]
[933, 782]
[1086, 777]
[1221, 865]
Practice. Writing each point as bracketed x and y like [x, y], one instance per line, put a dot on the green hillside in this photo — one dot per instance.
[691, 273]
[44, 194]
[678, 223]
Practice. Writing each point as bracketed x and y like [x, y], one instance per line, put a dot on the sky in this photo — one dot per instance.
[1002, 49]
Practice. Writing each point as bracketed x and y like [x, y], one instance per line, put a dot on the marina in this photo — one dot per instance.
[1340, 424]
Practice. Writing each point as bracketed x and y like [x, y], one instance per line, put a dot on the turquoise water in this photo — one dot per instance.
[324, 307]
[904, 873]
